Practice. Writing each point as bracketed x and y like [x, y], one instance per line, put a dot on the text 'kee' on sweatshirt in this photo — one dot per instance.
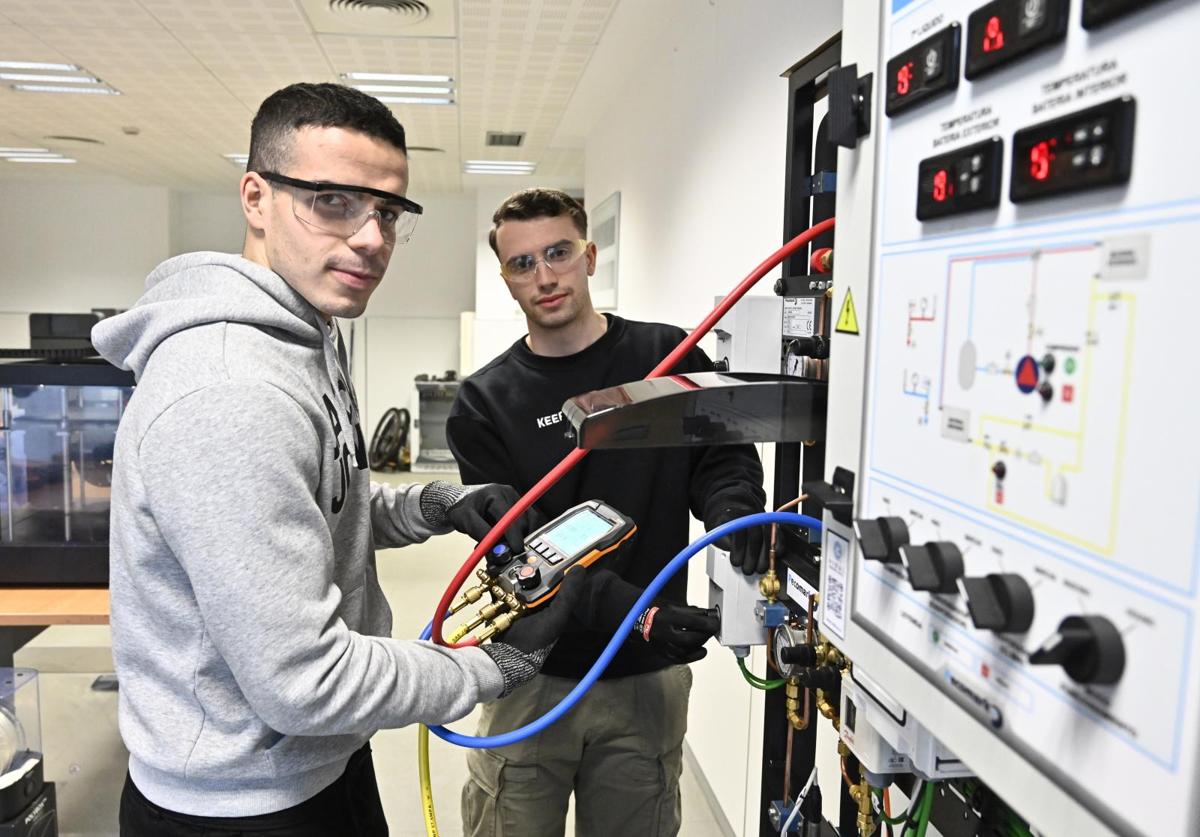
[507, 426]
[250, 634]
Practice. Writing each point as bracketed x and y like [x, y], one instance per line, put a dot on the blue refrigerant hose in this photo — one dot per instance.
[567, 703]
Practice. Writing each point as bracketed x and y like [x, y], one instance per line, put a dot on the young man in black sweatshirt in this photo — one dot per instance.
[620, 749]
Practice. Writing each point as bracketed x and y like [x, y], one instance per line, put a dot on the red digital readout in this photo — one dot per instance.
[993, 35]
[904, 77]
[941, 185]
[1040, 157]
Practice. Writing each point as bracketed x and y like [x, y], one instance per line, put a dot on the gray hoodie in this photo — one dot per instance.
[249, 630]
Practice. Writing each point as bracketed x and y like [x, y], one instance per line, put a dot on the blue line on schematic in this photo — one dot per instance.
[1073, 562]
[1187, 655]
[916, 393]
[897, 5]
[1151, 222]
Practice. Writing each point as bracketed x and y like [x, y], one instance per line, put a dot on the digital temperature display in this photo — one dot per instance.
[961, 180]
[924, 70]
[1007, 29]
[1085, 150]
[1098, 12]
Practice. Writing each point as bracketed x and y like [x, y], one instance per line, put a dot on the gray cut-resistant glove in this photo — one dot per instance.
[475, 509]
[520, 651]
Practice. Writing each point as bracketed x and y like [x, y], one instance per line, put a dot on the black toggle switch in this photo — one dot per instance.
[935, 566]
[1089, 648]
[1000, 602]
[880, 539]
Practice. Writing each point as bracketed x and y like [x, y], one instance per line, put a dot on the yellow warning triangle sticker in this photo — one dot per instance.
[847, 322]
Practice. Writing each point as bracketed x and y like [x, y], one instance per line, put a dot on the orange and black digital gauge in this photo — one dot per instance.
[578, 537]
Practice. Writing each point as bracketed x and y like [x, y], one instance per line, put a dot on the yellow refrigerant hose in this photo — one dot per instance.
[431, 828]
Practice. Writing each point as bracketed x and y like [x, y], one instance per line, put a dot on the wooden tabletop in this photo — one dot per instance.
[53, 606]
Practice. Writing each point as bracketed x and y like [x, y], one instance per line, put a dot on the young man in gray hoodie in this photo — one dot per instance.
[250, 634]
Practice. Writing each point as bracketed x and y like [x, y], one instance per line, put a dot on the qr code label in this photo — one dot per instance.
[833, 600]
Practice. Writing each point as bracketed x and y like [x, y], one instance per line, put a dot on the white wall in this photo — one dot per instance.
[85, 244]
[695, 144]
[77, 246]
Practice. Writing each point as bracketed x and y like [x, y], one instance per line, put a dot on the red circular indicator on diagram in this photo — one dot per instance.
[1027, 374]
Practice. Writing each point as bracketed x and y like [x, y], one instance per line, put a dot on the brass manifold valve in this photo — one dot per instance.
[861, 794]
[496, 616]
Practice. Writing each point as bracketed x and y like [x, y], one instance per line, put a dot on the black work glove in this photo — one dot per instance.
[677, 631]
[521, 650]
[747, 548]
[474, 510]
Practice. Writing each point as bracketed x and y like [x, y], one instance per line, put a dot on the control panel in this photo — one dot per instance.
[1023, 570]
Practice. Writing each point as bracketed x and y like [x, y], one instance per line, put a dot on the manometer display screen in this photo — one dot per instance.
[577, 531]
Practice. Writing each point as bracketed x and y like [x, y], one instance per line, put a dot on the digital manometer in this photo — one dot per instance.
[577, 537]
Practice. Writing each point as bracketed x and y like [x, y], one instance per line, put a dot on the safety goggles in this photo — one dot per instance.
[560, 257]
[342, 210]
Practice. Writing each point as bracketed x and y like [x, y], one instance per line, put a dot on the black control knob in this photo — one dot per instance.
[880, 539]
[798, 655]
[1048, 363]
[529, 577]
[824, 678]
[934, 567]
[1000, 602]
[498, 557]
[1046, 390]
[1089, 648]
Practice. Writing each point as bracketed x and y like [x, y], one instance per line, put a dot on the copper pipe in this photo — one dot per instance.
[787, 767]
[775, 529]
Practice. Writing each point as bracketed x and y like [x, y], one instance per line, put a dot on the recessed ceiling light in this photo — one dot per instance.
[414, 100]
[402, 88]
[498, 167]
[239, 160]
[397, 77]
[54, 88]
[41, 158]
[23, 152]
[38, 65]
[52, 79]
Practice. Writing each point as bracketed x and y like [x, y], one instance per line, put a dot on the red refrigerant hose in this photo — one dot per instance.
[572, 459]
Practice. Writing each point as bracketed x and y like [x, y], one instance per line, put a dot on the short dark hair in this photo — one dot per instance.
[537, 203]
[284, 112]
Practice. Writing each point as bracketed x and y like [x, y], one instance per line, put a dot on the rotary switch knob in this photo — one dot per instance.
[529, 577]
[934, 567]
[1089, 648]
[1000, 602]
[880, 539]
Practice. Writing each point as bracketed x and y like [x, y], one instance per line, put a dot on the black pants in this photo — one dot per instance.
[350, 807]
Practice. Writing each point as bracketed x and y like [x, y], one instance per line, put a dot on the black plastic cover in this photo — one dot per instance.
[702, 408]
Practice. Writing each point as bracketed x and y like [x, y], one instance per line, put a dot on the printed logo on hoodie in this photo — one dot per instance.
[341, 451]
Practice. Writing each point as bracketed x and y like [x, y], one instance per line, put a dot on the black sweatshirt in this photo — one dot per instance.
[506, 426]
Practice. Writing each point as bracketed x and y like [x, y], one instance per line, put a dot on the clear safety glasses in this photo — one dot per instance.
[343, 210]
[559, 257]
